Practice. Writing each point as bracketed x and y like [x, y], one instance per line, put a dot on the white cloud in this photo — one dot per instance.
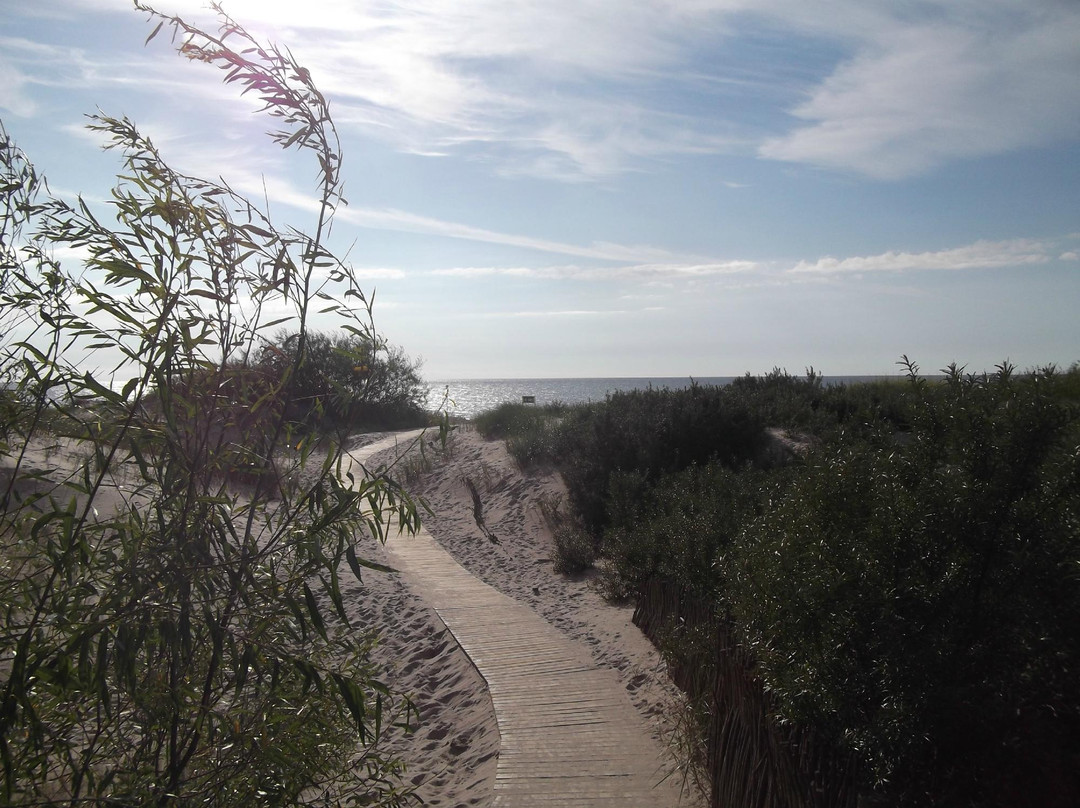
[378, 273]
[13, 97]
[245, 173]
[631, 272]
[563, 313]
[977, 80]
[1071, 255]
[585, 89]
[393, 219]
[520, 82]
[71, 255]
[571, 89]
[700, 270]
[571, 313]
[484, 272]
[980, 255]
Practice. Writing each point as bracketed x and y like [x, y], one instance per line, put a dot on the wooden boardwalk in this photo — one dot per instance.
[569, 734]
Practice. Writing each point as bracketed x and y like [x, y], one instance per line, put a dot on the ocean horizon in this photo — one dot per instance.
[467, 398]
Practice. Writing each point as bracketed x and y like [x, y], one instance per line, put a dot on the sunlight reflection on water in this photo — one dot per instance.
[470, 397]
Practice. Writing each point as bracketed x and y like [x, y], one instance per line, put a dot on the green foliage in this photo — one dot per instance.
[678, 530]
[651, 433]
[920, 600]
[909, 589]
[531, 432]
[507, 420]
[780, 398]
[348, 381]
[574, 551]
[169, 637]
[805, 404]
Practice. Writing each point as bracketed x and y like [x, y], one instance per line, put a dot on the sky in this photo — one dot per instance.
[579, 188]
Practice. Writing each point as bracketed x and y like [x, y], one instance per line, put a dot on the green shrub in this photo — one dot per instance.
[920, 600]
[531, 432]
[506, 420]
[679, 530]
[782, 399]
[347, 382]
[179, 643]
[909, 589]
[574, 550]
[650, 432]
[805, 404]
[535, 447]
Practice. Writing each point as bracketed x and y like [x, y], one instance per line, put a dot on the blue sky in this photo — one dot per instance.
[647, 188]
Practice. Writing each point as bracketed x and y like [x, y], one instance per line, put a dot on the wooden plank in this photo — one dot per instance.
[569, 734]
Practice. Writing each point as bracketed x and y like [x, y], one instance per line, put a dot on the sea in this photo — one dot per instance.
[467, 398]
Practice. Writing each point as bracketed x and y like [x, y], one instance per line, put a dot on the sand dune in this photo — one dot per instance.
[509, 549]
[451, 756]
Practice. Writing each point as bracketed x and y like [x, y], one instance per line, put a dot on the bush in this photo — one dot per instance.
[507, 420]
[651, 433]
[574, 551]
[679, 530]
[167, 640]
[531, 432]
[920, 601]
[908, 590]
[782, 399]
[805, 404]
[348, 382]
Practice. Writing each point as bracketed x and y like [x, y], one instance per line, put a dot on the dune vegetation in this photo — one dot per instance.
[175, 524]
[871, 593]
[868, 590]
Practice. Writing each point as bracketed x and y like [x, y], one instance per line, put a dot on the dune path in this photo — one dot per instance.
[569, 733]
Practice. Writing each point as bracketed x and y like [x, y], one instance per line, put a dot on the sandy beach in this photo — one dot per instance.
[451, 757]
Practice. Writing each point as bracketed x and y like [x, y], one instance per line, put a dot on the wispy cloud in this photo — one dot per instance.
[574, 90]
[70, 68]
[980, 255]
[560, 313]
[379, 273]
[13, 97]
[734, 273]
[637, 272]
[404, 221]
[554, 88]
[282, 191]
[484, 272]
[971, 79]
